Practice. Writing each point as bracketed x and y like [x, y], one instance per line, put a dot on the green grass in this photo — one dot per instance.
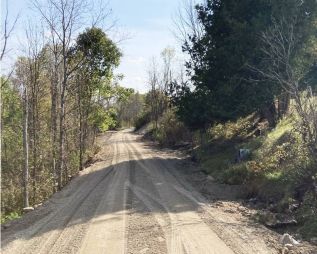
[218, 162]
[270, 169]
[309, 229]
[274, 169]
[10, 216]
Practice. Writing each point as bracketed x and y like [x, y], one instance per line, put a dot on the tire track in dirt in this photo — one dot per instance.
[240, 238]
[188, 231]
[145, 234]
[136, 203]
[106, 231]
[41, 237]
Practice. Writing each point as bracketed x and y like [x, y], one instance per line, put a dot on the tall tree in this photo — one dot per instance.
[25, 148]
[221, 56]
[100, 56]
[63, 18]
[290, 49]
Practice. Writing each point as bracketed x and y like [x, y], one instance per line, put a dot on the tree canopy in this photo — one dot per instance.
[223, 59]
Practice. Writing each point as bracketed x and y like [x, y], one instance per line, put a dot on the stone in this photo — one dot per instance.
[28, 209]
[38, 205]
[210, 178]
[287, 240]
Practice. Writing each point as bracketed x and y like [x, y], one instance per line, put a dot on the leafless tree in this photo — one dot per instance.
[22, 79]
[168, 55]
[186, 22]
[7, 31]
[155, 91]
[279, 46]
[25, 148]
[35, 43]
[63, 18]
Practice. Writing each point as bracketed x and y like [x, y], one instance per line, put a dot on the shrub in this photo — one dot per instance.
[142, 120]
[10, 216]
[171, 131]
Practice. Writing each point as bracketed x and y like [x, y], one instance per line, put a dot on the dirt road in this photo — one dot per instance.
[133, 200]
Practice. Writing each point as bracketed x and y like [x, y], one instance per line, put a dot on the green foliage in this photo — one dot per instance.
[278, 165]
[307, 216]
[103, 119]
[142, 119]
[100, 54]
[91, 92]
[221, 57]
[130, 108]
[11, 149]
[10, 216]
[193, 109]
[239, 129]
[224, 59]
[171, 131]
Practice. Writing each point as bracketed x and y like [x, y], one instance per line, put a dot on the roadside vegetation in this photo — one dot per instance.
[244, 102]
[60, 94]
[250, 87]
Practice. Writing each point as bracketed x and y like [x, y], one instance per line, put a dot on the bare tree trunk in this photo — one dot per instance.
[283, 104]
[5, 35]
[54, 96]
[80, 111]
[60, 167]
[34, 66]
[269, 113]
[25, 150]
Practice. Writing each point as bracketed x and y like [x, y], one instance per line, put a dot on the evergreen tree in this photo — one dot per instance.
[224, 58]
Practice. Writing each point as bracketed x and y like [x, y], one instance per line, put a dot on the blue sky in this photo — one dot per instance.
[148, 24]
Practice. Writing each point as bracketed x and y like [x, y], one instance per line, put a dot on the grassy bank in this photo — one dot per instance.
[277, 171]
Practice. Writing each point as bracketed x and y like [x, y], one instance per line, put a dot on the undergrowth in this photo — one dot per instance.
[275, 172]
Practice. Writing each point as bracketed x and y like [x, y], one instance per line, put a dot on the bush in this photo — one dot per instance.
[233, 130]
[142, 120]
[10, 216]
[279, 161]
[171, 131]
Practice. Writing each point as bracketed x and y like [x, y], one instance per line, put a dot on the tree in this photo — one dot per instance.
[289, 47]
[130, 108]
[57, 81]
[154, 97]
[227, 44]
[25, 148]
[100, 56]
[168, 55]
[34, 84]
[63, 19]
[219, 59]
[23, 84]
[6, 32]
[12, 157]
